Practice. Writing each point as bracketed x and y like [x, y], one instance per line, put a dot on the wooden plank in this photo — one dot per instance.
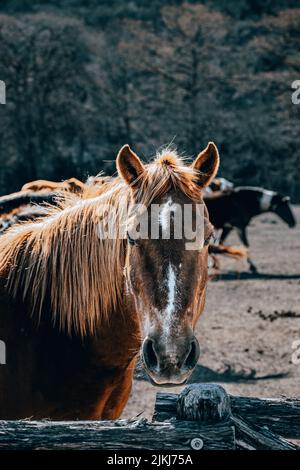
[281, 416]
[165, 407]
[259, 438]
[122, 434]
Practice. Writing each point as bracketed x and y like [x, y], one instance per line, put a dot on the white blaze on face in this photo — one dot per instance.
[165, 215]
[166, 211]
[266, 199]
[171, 300]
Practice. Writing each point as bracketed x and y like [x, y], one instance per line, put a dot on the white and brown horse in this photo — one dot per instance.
[236, 207]
[76, 307]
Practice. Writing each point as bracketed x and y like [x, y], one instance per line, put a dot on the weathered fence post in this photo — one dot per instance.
[203, 402]
[208, 405]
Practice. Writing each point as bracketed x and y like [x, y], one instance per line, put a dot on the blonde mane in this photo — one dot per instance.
[60, 260]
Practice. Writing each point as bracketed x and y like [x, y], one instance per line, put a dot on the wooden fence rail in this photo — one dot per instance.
[203, 416]
[281, 416]
[122, 434]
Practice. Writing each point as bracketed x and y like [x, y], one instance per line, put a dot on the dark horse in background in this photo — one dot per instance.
[234, 209]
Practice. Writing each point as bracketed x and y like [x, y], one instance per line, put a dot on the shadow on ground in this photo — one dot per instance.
[246, 276]
[228, 375]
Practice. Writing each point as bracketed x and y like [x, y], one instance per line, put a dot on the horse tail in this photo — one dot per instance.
[236, 252]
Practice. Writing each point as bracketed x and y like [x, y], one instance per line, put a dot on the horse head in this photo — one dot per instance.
[281, 206]
[166, 269]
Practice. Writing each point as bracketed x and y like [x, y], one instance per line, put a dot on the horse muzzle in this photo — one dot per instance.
[169, 366]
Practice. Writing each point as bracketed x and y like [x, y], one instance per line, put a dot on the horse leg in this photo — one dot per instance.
[252, 266]
[225, 232]
[118, 398]
[215, 262]
[242, 231]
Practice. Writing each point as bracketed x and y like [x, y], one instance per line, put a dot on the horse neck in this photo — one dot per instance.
[117, 341]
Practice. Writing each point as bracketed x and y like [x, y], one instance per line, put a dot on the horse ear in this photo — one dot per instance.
[207, 164]
[129, 166]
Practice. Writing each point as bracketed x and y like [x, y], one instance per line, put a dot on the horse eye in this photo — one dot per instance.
[131, 241]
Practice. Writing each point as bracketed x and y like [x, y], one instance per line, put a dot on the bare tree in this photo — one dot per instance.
[49, 96]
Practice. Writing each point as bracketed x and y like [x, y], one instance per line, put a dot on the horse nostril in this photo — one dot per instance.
[149, 354]
[193, 355]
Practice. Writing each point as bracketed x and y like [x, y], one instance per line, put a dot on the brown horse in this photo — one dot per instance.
[77, 307]
[24, 213]
[72, 184]
[12, 203]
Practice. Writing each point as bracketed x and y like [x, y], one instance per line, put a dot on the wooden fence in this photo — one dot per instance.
[203, 416]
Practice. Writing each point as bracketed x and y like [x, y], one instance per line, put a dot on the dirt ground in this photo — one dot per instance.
[250, 323]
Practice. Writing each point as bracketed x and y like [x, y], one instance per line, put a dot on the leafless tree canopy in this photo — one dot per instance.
[85, 78]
